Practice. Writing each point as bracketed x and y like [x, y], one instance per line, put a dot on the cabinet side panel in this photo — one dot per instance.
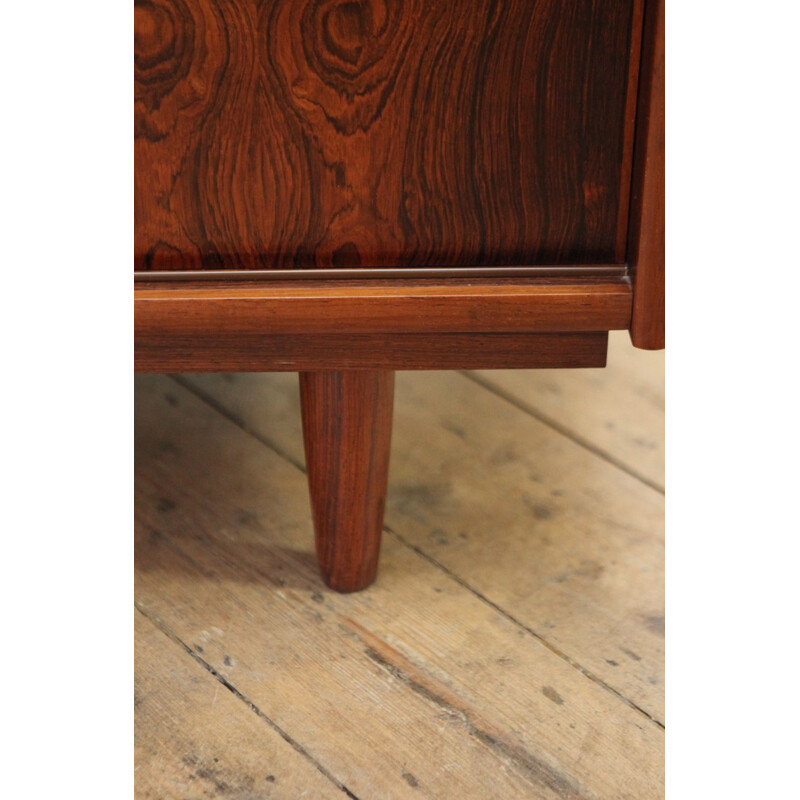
[646, 243]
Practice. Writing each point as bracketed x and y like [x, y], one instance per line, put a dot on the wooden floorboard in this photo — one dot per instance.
[566, 543]
[518, 567]
[618, 411]
[195, 738]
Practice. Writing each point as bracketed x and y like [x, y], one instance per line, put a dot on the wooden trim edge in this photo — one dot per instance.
[382, 273]
[175, 310]
[400, 351]
[213, 326]
[646, 245]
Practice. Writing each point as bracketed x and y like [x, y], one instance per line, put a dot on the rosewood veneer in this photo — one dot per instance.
[346, 188]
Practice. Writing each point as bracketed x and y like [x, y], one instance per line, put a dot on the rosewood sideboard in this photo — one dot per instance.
[345, 188]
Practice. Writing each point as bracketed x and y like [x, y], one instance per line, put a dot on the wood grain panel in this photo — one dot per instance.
[354, 133]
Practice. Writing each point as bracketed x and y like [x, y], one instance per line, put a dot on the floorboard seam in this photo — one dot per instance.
[553, 649]
[249, 703]
[521, 405]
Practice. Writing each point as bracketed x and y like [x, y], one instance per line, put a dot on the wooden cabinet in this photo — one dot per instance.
[345, 188]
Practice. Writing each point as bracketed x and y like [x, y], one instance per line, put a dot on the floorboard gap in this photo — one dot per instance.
[249, 703]
[551, 647]
[559, 428]
[278, 451]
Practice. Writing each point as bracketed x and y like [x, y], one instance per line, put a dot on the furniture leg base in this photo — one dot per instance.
[347, 427]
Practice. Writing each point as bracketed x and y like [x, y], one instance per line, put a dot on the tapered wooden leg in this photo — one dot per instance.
[347, 428]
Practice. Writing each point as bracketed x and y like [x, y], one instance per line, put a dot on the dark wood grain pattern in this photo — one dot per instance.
[356, 133]
[647, 239]
[347, 429]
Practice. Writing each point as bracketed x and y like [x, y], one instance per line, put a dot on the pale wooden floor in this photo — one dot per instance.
[513, 645]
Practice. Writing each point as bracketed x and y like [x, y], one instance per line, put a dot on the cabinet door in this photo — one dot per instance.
[297, 134]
